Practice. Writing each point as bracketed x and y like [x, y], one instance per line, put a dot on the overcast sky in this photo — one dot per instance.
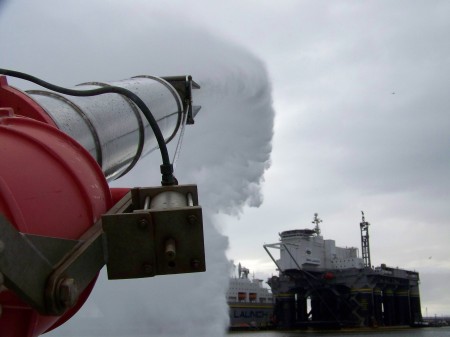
[359, 91]
[362, 123]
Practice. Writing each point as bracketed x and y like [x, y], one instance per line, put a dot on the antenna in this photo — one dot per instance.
[317, 221]
[364, 225]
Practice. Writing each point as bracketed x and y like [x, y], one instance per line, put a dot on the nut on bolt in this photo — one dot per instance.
[192, 219]
[143, 223]
[68, 292]
[195, 263]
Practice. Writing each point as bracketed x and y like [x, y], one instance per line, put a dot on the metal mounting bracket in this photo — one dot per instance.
[135, 239]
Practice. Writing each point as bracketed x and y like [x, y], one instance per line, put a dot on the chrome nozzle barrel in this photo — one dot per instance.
[111, 127]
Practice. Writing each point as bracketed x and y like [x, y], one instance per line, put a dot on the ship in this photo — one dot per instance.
[250, 303]
[321, 285]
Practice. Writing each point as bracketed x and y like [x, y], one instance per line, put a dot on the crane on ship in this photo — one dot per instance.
[60, 222]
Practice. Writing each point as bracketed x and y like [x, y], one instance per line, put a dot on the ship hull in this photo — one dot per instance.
[249, 316]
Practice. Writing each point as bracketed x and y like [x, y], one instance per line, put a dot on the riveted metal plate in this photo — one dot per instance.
[130, 245]
[185, 227]
[155, 241]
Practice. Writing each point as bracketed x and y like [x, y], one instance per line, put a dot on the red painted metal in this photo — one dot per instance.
[118, 193]
[328, 275]
[49, 185]
[21, 103]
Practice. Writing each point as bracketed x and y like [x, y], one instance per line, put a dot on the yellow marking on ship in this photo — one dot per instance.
[402, 293]
[362, 290]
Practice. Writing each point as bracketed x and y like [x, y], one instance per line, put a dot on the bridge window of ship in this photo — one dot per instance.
[242, 296]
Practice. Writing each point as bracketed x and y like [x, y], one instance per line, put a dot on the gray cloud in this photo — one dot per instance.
[343, 142]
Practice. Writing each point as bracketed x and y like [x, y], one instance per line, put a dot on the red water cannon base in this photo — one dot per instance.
[49, 187]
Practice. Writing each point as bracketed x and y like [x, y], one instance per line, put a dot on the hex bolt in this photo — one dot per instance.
[143, 224]
[68, 292]
[192, 219]
[195, 263]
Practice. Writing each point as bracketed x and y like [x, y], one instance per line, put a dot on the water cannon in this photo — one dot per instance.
[60, 222]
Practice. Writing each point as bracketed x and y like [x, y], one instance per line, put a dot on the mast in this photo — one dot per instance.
[317, 221]
[365, 248]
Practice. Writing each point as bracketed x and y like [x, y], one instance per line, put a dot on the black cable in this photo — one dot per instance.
[166, 167]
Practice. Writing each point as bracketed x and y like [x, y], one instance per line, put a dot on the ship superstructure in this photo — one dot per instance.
[250, 303]
[321, 284]
[306, 248]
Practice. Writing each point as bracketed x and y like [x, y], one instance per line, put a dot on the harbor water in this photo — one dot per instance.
[421, 332]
